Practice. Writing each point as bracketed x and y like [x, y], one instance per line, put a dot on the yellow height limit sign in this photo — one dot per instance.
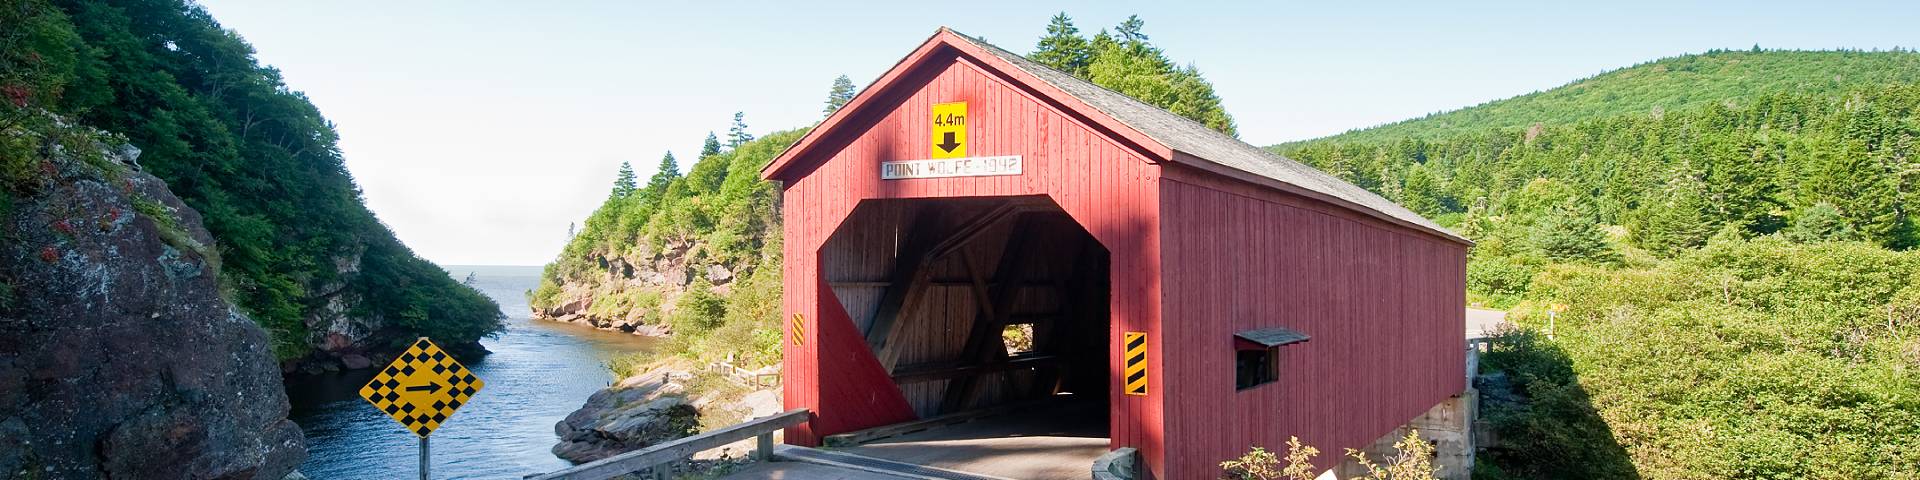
[949, 130]
[421, 389]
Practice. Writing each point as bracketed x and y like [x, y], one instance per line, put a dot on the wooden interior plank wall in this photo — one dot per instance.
[929, 335]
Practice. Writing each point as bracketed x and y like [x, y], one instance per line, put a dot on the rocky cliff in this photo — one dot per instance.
[636, 291]
[306, 259]
[119, 355]
[695, 255]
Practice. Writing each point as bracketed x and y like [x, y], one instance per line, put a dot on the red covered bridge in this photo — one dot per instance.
[977, 230]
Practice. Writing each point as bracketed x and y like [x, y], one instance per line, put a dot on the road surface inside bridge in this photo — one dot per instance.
[804, 471]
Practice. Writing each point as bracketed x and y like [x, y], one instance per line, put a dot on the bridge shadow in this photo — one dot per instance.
[1543, 421]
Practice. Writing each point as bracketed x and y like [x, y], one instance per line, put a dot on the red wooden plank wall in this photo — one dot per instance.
[1109, 189]
[1384, 306]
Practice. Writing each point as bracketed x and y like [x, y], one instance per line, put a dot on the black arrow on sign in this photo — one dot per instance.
[430, 387]
[948, 144]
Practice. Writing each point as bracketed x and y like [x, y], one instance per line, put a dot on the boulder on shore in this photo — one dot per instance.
[639, 411]
[118, 356]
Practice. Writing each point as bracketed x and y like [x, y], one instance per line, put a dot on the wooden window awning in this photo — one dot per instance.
[1269, 337]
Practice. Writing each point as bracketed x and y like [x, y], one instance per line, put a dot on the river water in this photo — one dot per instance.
[538, 373]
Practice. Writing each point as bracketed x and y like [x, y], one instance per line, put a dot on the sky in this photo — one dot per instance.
[480, 130]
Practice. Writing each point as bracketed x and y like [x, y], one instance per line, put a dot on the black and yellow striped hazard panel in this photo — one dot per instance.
[1136, 370]
[799, 330]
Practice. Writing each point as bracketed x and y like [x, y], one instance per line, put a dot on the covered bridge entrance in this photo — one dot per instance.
[977, 232]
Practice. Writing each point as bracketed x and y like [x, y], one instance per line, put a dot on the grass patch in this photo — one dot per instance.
[171, 232]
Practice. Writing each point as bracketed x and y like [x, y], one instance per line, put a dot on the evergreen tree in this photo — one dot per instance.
[1103, 42]
[711, 147]
[1862, 186]
[1676, 224]
[698, 310]
[1570, 236]
[1130, 65]
[1063, 48]
[841, 93]
[737, 134]
[623, 185]
[1734, 178]
[1540, 197]
[663, 177]
[1130, 32]
[1820, 222]
[1421, 193]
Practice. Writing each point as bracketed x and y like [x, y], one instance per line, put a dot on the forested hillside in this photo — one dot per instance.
[1667, 84]
[297, 249]
[696, 254]
[1731, 235]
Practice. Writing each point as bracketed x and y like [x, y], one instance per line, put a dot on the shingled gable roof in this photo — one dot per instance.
[1156, 131]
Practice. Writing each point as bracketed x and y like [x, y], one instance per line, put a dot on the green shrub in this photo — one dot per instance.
[1502, 279]
[631, 364]
[1746, 359]
[698, 310]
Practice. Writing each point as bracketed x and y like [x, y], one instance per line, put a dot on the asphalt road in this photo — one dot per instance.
[1481, 322]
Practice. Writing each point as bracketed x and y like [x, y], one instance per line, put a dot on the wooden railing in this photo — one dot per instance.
[667, 453]
[1481, 344]
[744, 376]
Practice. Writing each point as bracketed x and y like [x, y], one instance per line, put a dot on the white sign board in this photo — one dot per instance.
[951, 167]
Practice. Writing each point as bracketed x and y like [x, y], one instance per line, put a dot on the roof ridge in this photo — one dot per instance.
[983, 43]
[1213, 146]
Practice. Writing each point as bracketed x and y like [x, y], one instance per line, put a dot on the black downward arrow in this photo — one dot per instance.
[948, 144]
[430, 387]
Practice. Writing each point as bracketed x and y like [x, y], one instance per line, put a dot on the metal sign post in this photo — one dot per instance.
[423, 458]
[1553, 315]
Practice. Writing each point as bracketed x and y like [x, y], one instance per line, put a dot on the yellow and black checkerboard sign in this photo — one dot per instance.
[799, 330]
[421, 388]
[1136, 370]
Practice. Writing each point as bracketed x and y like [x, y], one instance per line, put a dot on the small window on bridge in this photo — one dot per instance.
[1256, 355]
[1253, 367]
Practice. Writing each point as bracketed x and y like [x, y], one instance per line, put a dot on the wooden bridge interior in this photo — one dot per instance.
[945, 290]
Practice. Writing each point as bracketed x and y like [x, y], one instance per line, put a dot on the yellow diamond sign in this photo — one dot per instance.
[421, 388]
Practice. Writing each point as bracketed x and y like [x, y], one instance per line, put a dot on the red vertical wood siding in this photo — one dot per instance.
[1109, 189]
[1384, 306]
